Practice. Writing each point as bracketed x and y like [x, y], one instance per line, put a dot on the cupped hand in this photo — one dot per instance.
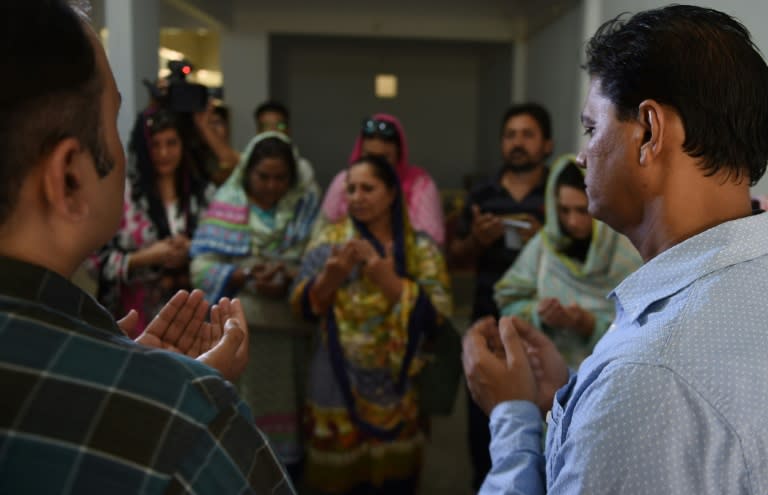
[180, 327]
[178, 324]
[227, 349]
[340, 264]
[496, 365]
[553, 314]
[486, 227]
[547, 364]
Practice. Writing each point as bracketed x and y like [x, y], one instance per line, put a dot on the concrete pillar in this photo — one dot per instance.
[132, 44]
[592, 11]
[245, 66]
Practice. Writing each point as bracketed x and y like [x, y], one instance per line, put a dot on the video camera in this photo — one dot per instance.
[182, 96]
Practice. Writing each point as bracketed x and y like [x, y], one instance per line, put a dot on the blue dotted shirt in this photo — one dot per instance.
[674, 397]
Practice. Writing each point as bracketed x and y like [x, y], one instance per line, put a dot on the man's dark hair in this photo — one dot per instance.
[700, 62]
[536, 111]
[271, 106]
[51, 89]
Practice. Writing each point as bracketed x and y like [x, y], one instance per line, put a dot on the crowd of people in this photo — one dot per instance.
[190, 370]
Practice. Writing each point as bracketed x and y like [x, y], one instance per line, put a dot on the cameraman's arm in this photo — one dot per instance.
[227, 156]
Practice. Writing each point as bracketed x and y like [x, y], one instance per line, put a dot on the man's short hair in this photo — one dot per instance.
[271, 106]
[536, 111]
[700, 62]
[51, 89]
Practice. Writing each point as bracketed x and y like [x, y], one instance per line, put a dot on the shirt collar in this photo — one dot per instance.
[719, 247]
[538, 190]
[39, 285]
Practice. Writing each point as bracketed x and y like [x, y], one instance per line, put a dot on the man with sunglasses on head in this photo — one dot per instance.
[383, 135]
[499, 217]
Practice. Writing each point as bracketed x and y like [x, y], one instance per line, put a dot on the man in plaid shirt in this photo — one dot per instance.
[84, 409]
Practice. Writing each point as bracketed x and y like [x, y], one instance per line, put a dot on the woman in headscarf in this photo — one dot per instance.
[378, 289]
[383, 135]
[561, 279]
[249, 245]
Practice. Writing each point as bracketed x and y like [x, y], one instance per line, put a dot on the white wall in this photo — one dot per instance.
[245, 50]
[133, 39]
[245, 65]
[553, 76]
[448, 93]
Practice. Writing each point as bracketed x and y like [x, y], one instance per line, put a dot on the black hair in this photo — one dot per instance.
[571, 176]
[271, 147]
[704, 65]
[51, 90]
[271, 106]
[381, 169]
[162, 120]
[536, 111]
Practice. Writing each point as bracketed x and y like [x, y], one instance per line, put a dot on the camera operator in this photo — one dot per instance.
[212, 125]
[210, 153]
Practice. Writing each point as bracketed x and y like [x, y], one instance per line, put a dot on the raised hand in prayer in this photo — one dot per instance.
[571, 317]
[511, 361]
[180, 326]
[486, 227]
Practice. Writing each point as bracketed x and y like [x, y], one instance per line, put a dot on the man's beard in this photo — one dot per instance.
[523, 168]
[520, 167]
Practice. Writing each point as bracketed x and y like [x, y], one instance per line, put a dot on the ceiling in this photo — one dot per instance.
[522, 16]
[532, 14]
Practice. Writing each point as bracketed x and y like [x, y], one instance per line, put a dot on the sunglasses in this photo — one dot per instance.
[279, 126]
[380, 128]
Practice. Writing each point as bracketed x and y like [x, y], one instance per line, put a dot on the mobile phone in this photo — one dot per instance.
[512, 239]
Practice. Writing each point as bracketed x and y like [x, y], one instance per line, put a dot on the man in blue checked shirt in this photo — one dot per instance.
[672, 399]
[84, 409]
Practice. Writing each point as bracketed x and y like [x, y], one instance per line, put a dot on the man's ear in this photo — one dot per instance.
[651, 130]
[63, 176]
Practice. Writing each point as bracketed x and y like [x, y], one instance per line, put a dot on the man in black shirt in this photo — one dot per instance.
[499, 216]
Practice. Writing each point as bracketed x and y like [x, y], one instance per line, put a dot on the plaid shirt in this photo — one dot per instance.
[85, 410]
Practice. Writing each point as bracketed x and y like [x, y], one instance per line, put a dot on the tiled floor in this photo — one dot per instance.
[446, 470]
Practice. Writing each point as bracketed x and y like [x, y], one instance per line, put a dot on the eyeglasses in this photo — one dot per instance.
[380, 128]
[272, 126]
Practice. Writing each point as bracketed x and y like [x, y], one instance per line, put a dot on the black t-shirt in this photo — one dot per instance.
[492, 197]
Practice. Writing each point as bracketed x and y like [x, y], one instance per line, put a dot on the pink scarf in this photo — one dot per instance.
[408, 173]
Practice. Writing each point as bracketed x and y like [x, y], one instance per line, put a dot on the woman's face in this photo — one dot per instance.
[165, 151]
[269, 181]
[385, 149]
[368, 196]
[572, 211]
